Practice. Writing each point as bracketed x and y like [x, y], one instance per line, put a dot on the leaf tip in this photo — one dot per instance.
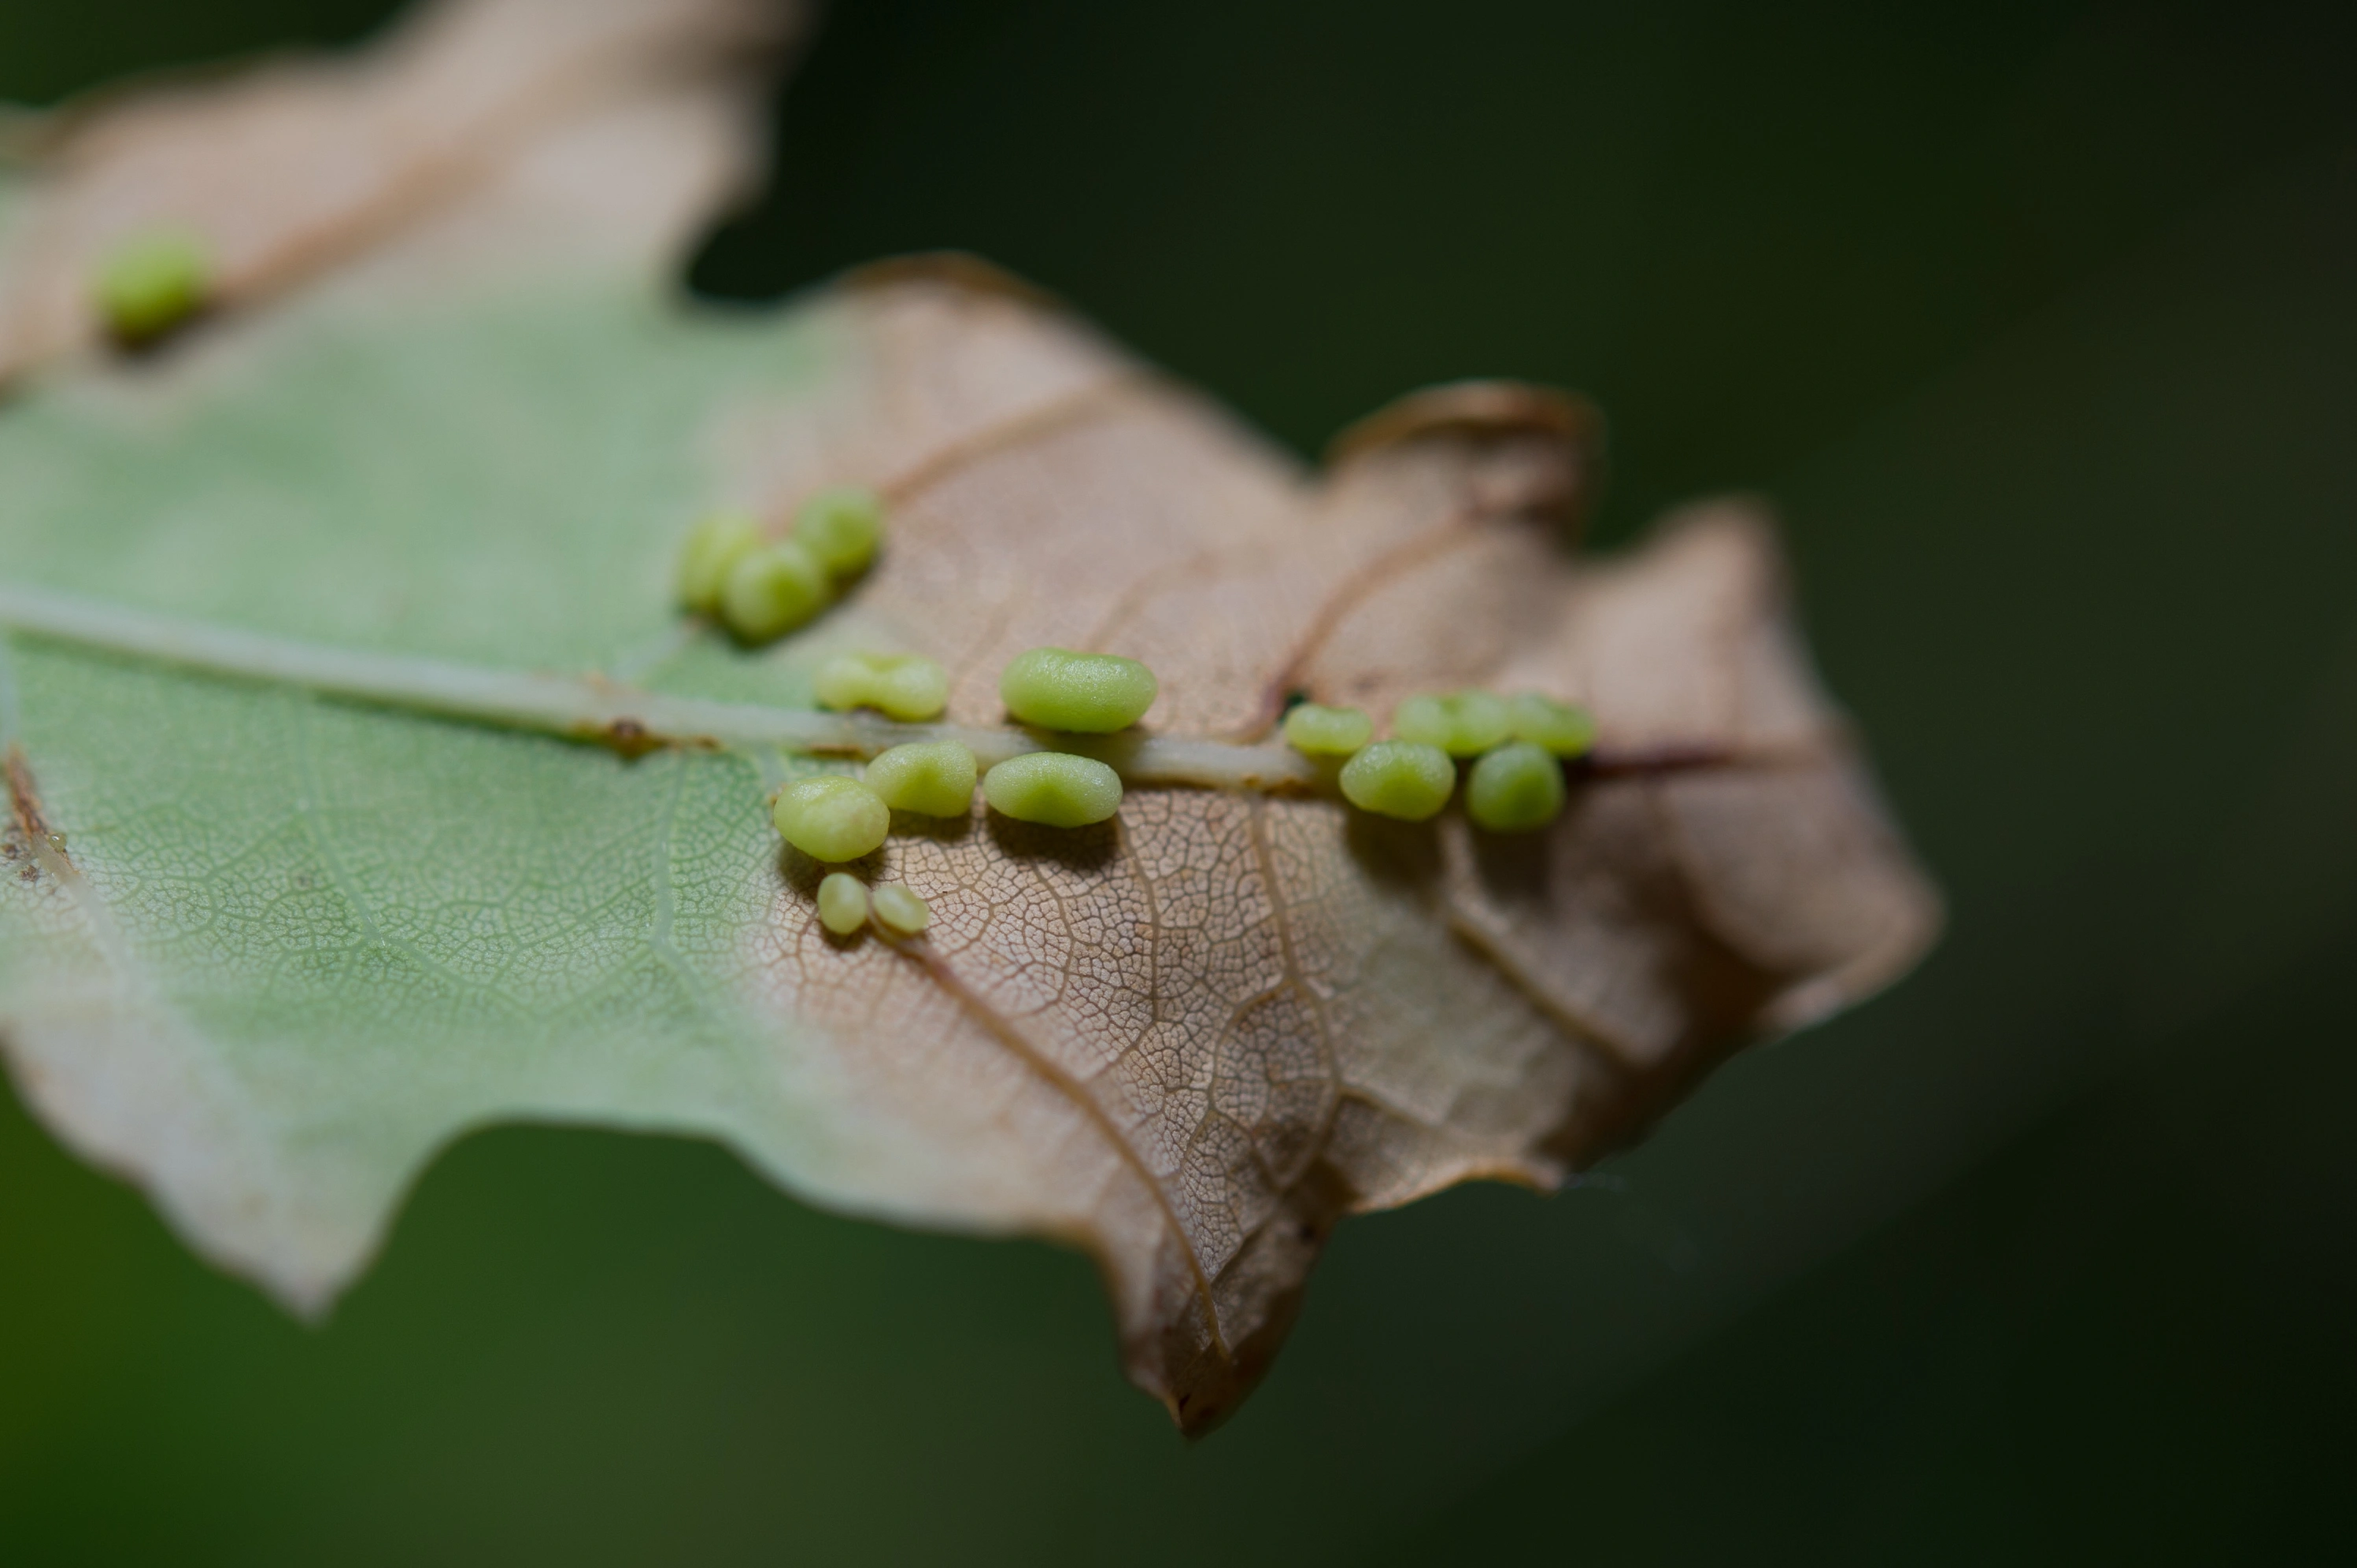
[1553, 443]
[1473, 408]
[959, 271]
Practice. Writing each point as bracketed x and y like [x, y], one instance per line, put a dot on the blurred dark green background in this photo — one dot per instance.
[2039, 321]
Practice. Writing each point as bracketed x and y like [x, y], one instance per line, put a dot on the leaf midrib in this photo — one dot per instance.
[602, 711]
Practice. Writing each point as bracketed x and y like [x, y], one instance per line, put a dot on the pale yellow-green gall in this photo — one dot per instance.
[1563, 728]
[1086, 693]
[901, 909]
[150, 284]
[1052, 787]
[842, 903]
[1462, 724]
[773, 590]
[1318, 731]
[932, 777]
[905, 686]
[842, 527]
[1403, 779]
[713, 546]
[1517, 788]
[831, 818]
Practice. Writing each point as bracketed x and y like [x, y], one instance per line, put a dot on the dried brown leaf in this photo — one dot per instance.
[1265, 1014]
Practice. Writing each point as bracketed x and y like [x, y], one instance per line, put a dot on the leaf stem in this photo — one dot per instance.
[604, 712]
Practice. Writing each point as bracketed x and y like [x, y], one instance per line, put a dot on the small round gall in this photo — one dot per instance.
[931, 778]
[713, 547]
[902, 910]
[831, 818]
[150, 284]
[1517, 788]
[1563, 728]
[1081, 694]
[1315, 730]
[1053, 788]
[842, 903]
[842, 527]
[1401, 779]
[905, 686]
[772, 590]
[1462, 724]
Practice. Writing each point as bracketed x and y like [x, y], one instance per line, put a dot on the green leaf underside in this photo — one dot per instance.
[499, 480]
[388, 928]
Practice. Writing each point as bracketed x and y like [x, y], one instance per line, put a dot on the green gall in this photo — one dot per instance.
[1052, 787]
[901, 909]
[1516, 788]
[1403, 779]
[905, 686]
[1563, 728]
[150, 284]
[1085, 694]
[1462, 724]
[842, 903]
[713, 547]
[831, 818]
[1318, 731]
[773, 590]
[842, 527]
[935, 778]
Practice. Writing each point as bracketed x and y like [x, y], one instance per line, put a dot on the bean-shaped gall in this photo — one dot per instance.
[905, 686]
[842, 527]
[713, 547]
[1462, 724]
[1563, 728]
[150, 284]
[901, 909]
[1054, 788]
[1517, 788]
[1319, 731]
[842, 903]
[1403, 779]
[831, 818]
[1085, 694]
[931, 778]
[773, 590]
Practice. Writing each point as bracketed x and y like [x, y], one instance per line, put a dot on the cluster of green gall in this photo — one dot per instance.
[834, 817]
[761, 588]
[1518, 745]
